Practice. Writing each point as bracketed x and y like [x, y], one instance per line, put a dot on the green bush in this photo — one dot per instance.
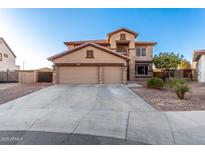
[180, 86]
[171, 82]
[155, 83]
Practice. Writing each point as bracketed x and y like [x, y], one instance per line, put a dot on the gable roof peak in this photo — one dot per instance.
[1, 38]
[122, 29]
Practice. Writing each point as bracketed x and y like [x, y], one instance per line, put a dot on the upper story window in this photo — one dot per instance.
[141, 52]
[6, 55]
[122, 37]
[0, 56]
[89, 54]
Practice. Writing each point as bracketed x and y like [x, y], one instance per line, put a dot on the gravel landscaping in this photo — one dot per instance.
[20, 90]
[166, 100]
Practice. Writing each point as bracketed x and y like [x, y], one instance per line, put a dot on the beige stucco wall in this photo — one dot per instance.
[193, 65]
[54, 80]
[80, 57]
[27, 76]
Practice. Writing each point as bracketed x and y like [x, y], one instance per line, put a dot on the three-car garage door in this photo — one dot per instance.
[89, 74]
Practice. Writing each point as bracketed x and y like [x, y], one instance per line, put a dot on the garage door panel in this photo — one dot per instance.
[112, 74]
[78, 75]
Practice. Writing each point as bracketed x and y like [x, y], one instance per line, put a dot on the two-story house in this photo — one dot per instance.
[7, 57]
[117, 59]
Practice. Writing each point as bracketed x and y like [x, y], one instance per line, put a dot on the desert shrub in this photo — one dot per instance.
[171, 83]
[155, 83]
[180, 86]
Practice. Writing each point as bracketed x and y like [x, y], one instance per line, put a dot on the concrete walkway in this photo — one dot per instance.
[111, 111]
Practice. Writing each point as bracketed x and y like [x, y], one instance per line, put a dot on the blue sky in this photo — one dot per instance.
[35, 34]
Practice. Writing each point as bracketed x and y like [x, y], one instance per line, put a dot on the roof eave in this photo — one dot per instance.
[146, 43]
[7, 46]
[86, 41]
[197, 56]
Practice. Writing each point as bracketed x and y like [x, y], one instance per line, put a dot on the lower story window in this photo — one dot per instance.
[141, 69]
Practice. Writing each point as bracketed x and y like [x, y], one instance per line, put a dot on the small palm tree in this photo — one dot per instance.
[180, 86]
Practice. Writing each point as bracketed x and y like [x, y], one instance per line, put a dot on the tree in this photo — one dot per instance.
[184, 64]
[166, 61]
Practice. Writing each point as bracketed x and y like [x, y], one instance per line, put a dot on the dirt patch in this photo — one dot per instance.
[20, 90]
[166, 100]
[7, 85]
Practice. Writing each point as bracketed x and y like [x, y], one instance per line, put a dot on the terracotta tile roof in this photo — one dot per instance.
[85, 45]
[105, 42]
[197, 54]
[85, 41]
[145, 43]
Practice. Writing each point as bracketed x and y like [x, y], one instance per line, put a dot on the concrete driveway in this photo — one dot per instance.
[97, 111]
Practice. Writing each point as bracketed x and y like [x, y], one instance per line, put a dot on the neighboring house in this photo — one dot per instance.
[7, 57]
[117, 59]
[199, 61]
[193, 65]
